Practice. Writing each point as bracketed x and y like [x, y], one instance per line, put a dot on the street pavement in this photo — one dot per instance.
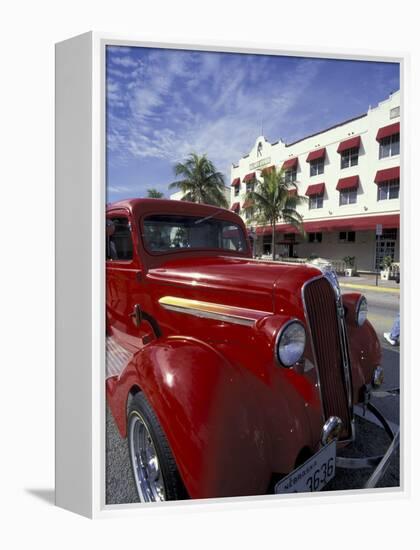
[120, 486]
[383, 304]
[370, 281]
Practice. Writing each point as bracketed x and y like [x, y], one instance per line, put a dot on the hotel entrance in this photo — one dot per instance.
[285, 248]
[385, 246]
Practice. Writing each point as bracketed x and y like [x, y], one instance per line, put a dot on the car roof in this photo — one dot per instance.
[140, 207]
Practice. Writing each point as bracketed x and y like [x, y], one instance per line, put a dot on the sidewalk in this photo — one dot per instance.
[368, 282]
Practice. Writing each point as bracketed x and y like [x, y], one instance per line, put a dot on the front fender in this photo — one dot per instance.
[365, 355]
[228, 429]
[364, 346]
[213, 423]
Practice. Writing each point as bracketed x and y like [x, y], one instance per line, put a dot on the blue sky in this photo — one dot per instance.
[163, 104]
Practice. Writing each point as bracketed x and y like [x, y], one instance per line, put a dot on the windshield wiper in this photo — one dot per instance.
[200, 220]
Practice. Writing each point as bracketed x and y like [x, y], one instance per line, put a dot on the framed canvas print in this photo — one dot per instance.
[229, 254]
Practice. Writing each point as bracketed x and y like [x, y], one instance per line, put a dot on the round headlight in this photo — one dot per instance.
[361, 311]
[291, 343]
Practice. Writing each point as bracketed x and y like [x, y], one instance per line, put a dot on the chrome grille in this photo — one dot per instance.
[321, 311]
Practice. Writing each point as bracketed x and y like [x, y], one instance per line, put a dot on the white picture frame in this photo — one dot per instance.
[80, 286]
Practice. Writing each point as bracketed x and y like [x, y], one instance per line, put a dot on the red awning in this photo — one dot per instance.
[315, 155]
[267, 170]
[248, 203]
[235, 207]
[387, 131]
[351, 182]
[284, 228]
[289, 164]
[235, 182]
[363, 223]
[349, 144]
[249, 177]
[315, 189]
[292, 192]
[387, 174]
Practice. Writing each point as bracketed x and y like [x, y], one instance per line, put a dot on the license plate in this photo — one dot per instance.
[313, 475]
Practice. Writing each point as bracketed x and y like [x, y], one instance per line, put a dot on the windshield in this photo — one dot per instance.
[169, 233]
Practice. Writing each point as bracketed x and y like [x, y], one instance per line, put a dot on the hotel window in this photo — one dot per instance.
[389, 190]
[389, 234]
[389, 146]
[348, 196]
[317, 167]
[350, 157]
[347, 236]
[249, 213]
[250, 186]
[236, 190]
[315, 237]
[316, 201]
[290, 176]
[394, 113]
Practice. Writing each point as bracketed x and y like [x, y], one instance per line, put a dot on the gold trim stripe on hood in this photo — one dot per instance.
[209, 310]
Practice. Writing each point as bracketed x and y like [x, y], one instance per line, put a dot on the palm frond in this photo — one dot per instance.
[201, 181]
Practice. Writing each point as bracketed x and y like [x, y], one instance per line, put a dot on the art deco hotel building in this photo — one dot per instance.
[351, 176]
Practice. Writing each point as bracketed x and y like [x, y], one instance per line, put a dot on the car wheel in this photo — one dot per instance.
[155, 471]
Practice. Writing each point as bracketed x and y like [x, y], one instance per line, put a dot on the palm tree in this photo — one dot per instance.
[275, 200]
[154, 194]
[200, 182]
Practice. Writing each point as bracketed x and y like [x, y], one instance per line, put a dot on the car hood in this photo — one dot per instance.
[241, 282]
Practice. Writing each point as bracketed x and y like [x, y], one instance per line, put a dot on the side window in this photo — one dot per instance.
[119, 245]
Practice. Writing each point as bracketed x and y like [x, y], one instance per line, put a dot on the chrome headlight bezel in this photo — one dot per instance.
[294, 355]
[361, 311]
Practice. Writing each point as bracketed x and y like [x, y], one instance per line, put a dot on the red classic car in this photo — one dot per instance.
[228, 376]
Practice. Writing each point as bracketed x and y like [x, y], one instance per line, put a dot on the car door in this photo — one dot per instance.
[126, 324]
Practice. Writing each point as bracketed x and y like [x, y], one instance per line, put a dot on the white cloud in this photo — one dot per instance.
[123, 189]
[203, 102]
[145, 102]
[125, 61]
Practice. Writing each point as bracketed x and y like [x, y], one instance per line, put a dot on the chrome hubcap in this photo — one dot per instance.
[147, 472]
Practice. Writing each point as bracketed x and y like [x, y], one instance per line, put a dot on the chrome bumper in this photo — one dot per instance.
[380, 461]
